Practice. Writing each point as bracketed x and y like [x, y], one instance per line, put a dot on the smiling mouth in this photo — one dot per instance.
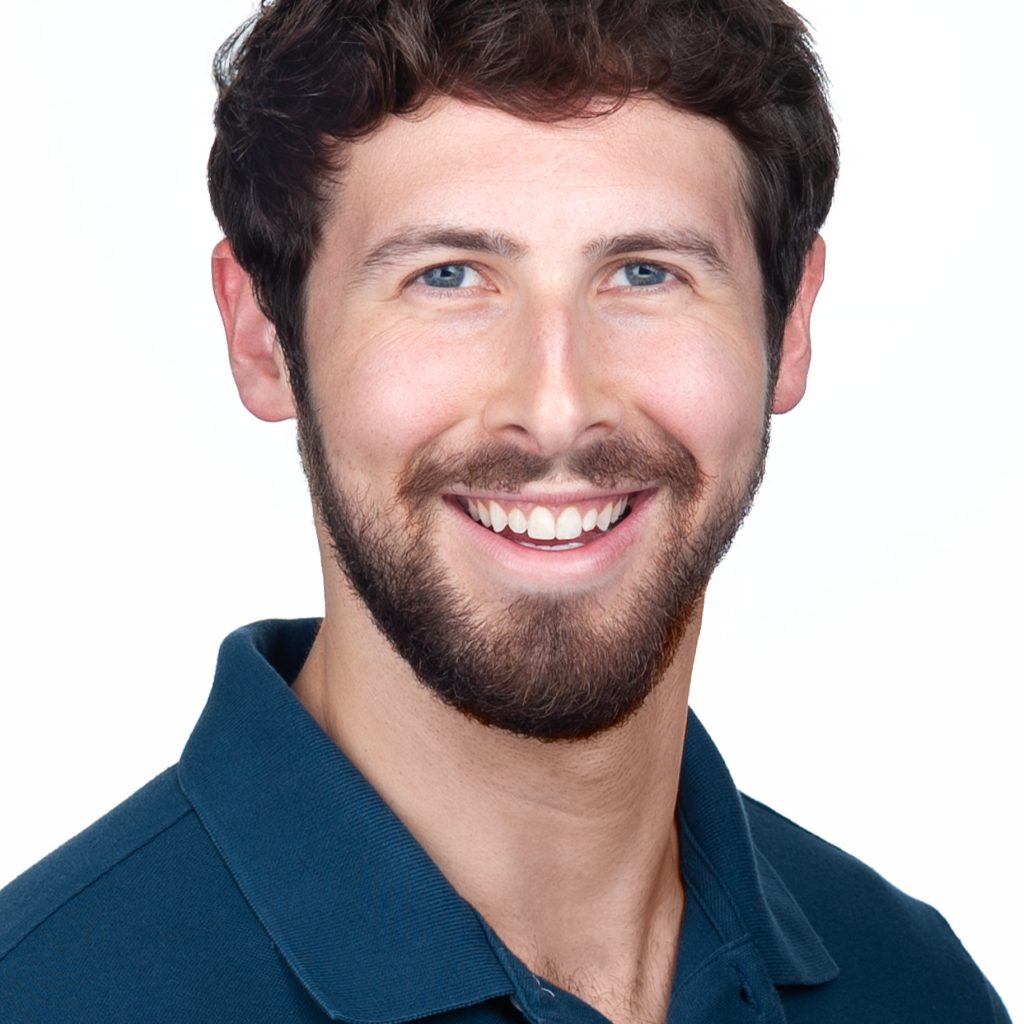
[547, 528]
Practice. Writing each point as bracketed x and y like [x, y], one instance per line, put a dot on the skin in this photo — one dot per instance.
[569, 849]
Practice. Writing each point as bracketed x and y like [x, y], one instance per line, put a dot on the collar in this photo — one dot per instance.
[353, 902]
[364, 918]
[744, 894]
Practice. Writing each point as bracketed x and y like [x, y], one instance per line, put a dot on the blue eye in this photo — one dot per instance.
[450, 275]
[642, 275]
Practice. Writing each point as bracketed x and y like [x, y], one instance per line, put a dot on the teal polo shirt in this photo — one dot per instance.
[263, 879]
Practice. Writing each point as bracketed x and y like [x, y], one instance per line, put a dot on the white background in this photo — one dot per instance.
[860, 668]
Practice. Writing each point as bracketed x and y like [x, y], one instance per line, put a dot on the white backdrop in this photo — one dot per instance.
[860, 668]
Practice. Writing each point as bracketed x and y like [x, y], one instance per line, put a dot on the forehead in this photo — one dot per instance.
[635, 167]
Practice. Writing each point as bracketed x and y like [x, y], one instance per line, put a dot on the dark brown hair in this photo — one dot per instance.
[302, 76]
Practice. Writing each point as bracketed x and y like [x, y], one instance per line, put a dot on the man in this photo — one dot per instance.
[531, 278]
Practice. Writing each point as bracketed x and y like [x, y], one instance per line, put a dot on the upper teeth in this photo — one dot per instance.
[543, 523]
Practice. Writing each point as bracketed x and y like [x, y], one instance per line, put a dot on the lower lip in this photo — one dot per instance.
[540, 566]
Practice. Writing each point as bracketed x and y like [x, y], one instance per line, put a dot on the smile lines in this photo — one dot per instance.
[542, 523]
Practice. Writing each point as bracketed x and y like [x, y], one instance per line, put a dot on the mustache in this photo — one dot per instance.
[609, 464]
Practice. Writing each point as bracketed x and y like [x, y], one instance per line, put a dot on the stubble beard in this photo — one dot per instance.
[548, 667]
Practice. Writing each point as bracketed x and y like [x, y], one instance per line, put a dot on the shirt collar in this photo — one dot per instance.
[364, 918]
[744, 891]
[362, 915]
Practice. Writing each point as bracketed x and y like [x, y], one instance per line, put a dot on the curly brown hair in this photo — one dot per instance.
[303, 77]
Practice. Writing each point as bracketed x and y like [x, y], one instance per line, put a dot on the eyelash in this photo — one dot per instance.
[675, 277]
[448, 292]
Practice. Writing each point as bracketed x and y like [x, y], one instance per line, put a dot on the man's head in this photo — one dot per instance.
[305, 77]
[552, 324]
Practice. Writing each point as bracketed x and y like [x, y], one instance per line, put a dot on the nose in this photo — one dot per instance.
[554, 390]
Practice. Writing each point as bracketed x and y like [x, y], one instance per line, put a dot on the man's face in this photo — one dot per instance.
[538, 392]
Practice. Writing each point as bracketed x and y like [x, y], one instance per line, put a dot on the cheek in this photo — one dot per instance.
[384, 399]
[708, 390]
[386, 391]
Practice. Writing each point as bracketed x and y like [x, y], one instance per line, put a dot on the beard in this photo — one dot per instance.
[551, 667]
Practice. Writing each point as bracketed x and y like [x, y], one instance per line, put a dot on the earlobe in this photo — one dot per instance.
[796, 338]
[257, 362]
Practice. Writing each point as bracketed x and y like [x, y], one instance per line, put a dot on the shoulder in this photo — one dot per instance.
[53, 883]
[890, 948]
[137, 918]
[833, 887]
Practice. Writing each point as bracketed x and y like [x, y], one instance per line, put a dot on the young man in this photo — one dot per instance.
[532, 278]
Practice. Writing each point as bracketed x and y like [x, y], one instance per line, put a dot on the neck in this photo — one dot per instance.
[567, 849]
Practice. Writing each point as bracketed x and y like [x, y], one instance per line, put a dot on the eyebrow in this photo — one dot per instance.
[405, 243]
[682, 240]
[411, 241]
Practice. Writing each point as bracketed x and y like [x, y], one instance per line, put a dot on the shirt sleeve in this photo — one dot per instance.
[999, 1014]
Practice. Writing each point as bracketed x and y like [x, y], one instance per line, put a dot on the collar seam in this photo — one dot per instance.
[96, 878]
[709, 961]
[694, 848]
[227, 862]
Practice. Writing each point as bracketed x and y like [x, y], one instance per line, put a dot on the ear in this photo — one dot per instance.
[257, 361]
[796, 336]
